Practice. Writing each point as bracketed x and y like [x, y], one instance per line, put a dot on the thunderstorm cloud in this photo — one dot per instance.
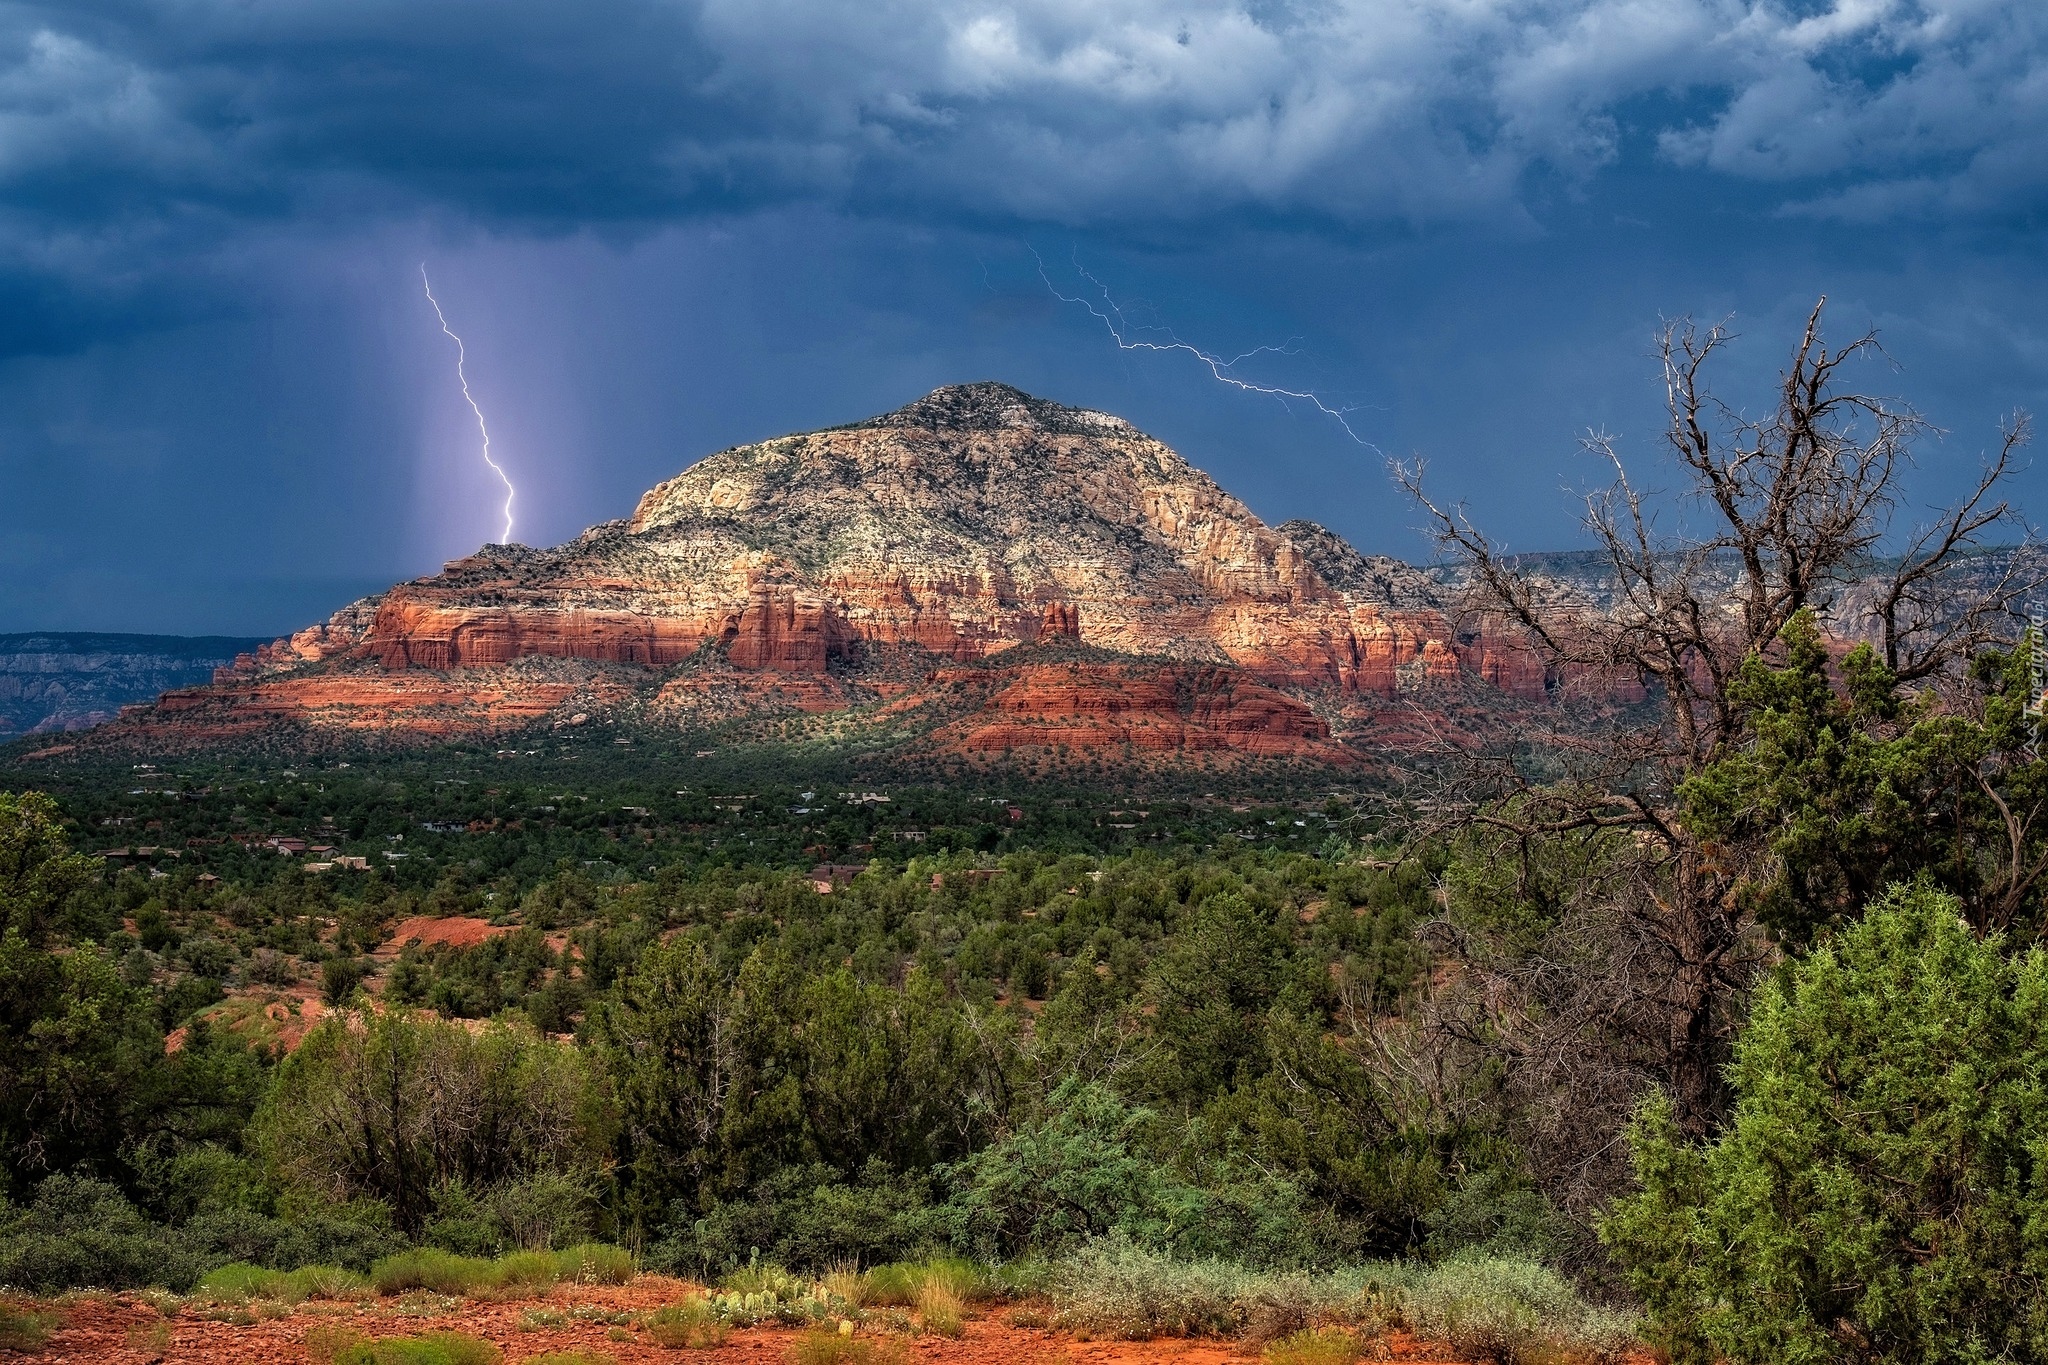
[664, 225]
[131, 128]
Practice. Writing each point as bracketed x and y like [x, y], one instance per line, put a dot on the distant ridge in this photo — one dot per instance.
[68, 680]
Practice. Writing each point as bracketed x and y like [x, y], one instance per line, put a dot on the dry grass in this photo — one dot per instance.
[24, 1328]
[939, 1309]
[1316, 1346]
[150, 1340]
[824, 1347]
[847, 1284]
[692, 1324]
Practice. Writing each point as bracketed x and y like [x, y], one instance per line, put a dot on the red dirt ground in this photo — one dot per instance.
[458, 931]
[110, 1328]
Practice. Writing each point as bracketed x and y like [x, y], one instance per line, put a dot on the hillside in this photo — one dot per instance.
[881, 569]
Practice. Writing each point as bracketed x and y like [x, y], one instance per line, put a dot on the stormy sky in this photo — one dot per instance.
[663, 228]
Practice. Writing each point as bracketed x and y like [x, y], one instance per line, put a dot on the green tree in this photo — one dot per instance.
[39, 874]
[1080, 1170]
[1881, 1190]
[76, 1039]
[669, 1048]
[1830, 794]
[398, 1108]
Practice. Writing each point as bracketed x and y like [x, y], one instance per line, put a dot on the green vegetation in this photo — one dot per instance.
[238, 1282]
[343, 1346]
[692, 1324]
[824, 1347]
[1511, 1311]
[1265, 1073]
[24, 1327]
[1316, 1346]
[446, 1272]
[1881, 1188]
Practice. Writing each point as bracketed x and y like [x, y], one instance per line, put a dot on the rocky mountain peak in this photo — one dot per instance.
[990, 406]
[835, 569]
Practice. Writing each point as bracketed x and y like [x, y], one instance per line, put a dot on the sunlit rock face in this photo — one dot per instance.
[971, 522]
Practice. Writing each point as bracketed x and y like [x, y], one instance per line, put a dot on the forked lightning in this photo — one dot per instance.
[461, 355]
[1112, 318]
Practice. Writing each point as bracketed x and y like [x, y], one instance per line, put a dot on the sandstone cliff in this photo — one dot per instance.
[849, 567]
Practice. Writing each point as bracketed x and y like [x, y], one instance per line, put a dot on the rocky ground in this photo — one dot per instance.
[129, 1329]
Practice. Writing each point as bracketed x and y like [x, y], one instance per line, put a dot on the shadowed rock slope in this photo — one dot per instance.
[66, 680]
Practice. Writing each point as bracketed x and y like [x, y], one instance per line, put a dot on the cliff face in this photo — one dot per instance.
[968, 523]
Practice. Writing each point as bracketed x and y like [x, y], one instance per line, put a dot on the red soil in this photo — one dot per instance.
[113, 1328]
[457, 931]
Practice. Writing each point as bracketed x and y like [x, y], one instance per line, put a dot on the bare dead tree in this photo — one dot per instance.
[1799, 509]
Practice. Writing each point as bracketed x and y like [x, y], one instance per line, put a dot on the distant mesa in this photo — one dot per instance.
[978, 571]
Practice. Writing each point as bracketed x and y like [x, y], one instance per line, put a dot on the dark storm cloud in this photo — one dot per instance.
[669, 226]
[132, 131]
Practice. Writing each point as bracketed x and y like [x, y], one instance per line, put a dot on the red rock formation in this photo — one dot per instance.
[440, 705]
[966, 524]
[1089, 706]
[786, 630]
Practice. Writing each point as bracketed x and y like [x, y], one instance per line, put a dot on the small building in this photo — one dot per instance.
[829, 877]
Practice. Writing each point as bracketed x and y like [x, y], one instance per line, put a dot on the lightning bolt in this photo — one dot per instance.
[1111, 316]
[462, 355]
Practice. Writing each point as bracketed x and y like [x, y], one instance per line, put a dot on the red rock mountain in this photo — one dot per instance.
[982, 568]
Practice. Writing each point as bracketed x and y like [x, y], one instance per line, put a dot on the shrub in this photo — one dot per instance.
[1316, 1346]
[1505, 1308]
[939, 1308]
[238, 1282]
[349, 1235]
[824, 1347]
[1111, 1288]
[526, 1269]
[596, 1263]
[24, 1329]
[548, 1208]
[692, 1324]
[473, 1111]
[339, 977]
[430, 1268]
[806, 1216]
[83, 1233]
[1510, 1311]
[1879, 1193]
[764, 1277]
[344, 1347]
